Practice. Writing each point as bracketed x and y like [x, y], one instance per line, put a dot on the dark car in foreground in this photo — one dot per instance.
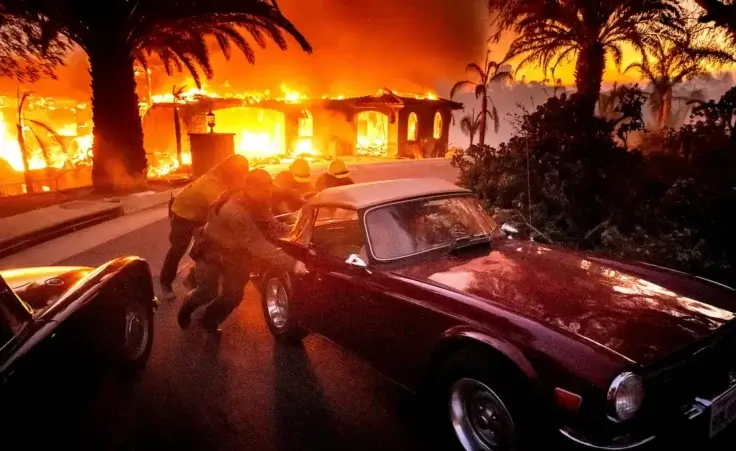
[58, 324]
[505, 337]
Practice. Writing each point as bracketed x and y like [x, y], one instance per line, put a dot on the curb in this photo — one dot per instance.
[119, 207]
[17, 244]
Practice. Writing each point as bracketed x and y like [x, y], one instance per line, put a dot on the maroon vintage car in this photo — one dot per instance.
[506, 335]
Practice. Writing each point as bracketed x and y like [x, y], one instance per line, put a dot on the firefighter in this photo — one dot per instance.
[337, 175]
[188, 211]
[292, 186]
[296, 177]
[239, 233]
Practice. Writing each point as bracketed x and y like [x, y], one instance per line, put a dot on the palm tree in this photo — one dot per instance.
[589, 31]
[670, 61]
[483, 78]
[470, 124]
[24, 54]
[177, 92]
[117, 33]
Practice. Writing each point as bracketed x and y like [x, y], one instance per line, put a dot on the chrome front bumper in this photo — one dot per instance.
[691, 413]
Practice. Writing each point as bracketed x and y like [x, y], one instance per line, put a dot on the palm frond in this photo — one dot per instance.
[551, 32]
[463, 85]
[48, 129]
[42, 146]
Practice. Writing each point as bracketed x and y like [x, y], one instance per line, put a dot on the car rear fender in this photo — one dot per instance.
[129, 275]
[462, 336]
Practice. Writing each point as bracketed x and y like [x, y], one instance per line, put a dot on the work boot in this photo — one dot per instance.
[211, 327]
[184, 317]
[167, 292]
[212, 318]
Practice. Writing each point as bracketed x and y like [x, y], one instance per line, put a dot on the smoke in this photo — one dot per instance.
[362, 46]
[359, 47]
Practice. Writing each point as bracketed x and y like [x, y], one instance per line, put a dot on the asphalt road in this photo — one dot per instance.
[247, 392]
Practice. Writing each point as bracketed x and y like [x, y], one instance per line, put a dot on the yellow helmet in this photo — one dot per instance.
[338, 169]
[300, 170]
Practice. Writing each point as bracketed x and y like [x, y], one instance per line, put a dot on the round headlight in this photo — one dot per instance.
[625, 396]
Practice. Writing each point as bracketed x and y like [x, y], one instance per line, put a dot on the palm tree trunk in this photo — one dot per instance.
[24, 156]
[483, 109]
[177, 130]
[589, 75]
[119, 158]
[666, 113]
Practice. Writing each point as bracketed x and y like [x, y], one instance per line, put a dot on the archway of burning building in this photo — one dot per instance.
[372, 133]
[259, 132]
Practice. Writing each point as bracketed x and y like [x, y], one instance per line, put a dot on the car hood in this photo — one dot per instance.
[41, 287]
[640, 314]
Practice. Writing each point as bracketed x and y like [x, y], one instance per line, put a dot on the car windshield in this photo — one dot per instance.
[408, 228]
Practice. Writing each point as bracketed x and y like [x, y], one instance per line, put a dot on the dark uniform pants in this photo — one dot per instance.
[222, 286]
[180, 236]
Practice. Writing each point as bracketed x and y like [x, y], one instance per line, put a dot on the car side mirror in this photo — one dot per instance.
[509, 230]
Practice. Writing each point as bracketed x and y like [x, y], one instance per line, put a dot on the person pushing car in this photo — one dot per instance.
[238, 234]
[337, 175]
[293, 186]
[188, 211]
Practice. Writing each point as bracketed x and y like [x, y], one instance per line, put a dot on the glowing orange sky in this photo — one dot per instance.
[359, 47]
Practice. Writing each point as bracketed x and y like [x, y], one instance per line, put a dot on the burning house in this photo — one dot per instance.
[387, 124]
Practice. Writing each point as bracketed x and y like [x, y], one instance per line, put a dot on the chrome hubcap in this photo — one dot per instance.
[136, 331]
[479, 417]
[277, 303]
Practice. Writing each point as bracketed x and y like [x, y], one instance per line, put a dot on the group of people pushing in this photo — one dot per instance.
[230, 212]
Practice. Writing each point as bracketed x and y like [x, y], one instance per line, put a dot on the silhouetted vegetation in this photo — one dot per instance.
[583, 188]
[553, 32]
[26, 54]
[482, 79]
[670, 61]
[117, 33]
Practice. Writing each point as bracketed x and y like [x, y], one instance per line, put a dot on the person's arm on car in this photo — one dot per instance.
[251, 240]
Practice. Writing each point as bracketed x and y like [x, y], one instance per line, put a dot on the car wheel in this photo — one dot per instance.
[276, 302]
[136, 336]
[476, 404]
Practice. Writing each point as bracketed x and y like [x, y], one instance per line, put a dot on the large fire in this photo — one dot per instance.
[259, 133]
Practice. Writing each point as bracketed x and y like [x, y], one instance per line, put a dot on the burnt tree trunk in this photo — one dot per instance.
[24, 155]
[589, 75]
[177, 130]
[119, 157]
[483, 112]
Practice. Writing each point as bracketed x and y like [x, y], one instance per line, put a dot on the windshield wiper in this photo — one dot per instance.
[465, 241]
